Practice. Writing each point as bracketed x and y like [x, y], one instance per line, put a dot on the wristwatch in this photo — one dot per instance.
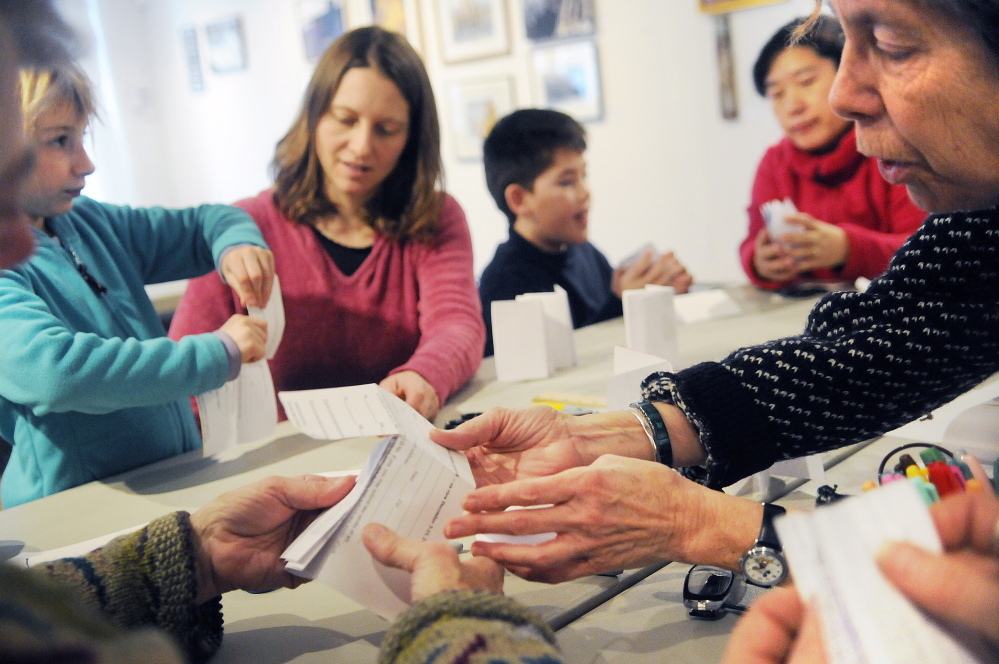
[764, 565]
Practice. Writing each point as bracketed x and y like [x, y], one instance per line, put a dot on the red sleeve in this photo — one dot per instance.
[452, 334]
[766, 188]
[871, 249]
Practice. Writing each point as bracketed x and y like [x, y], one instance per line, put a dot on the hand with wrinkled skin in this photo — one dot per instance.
[239, 537]
[413, 388]
[616, 513]
[433, 566]
[249, 270]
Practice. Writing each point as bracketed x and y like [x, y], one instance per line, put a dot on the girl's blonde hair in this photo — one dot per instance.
[45, 89]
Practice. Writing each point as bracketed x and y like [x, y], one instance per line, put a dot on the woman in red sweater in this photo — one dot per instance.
[850, 221]
[375, 262]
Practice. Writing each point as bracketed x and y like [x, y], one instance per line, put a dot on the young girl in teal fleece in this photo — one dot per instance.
[89, 384]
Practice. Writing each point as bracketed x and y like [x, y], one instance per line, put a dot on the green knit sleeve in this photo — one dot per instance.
[469, 626]
[148, 578]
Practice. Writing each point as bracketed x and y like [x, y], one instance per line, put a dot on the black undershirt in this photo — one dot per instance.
[347, 259]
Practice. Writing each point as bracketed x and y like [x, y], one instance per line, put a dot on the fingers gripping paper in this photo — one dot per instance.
[409, 484]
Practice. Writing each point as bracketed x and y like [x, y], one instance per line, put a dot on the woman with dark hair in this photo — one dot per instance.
[374, 261]
[849, 220]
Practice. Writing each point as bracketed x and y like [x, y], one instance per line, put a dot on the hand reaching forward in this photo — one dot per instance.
[239, 536]
[249, 270]
[413, 388]
[434, 566]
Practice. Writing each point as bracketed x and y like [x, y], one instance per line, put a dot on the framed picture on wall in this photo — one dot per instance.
[567, 79]
[475, 106]
[226, 47]
[726, 6]
[402, 16]
[192, 57]
[472, 29]
[558, 19]
[322, 22]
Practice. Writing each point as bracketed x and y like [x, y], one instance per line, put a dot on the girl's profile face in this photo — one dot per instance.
[61, 163]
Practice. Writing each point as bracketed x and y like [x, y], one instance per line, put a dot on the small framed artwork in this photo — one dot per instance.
[726, 6]
[226, 46]
[472, 29]
[476, 105]
[402, 16]
[322, 23]
[567, 79]
[192, 57]
[559, 19]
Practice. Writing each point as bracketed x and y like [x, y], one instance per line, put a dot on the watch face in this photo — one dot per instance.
[764, 567]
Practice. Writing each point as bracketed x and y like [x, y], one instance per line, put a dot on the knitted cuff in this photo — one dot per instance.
[457, 604]
[726, 418]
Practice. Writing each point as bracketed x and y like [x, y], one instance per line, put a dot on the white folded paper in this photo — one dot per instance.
[864, 618]
[520, 340]
[558, 326]
[650, 322]
[273, 315]
[409, 484]
[705, 305]
[774, 215]
[637, 254]
[631, 367]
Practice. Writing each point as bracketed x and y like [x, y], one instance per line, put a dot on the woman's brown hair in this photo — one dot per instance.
[408, 202]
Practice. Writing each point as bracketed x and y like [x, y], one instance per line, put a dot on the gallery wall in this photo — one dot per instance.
[664, 165]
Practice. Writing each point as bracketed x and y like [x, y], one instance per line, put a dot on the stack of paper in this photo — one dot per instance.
[245, 409]
[864, 618]
[532, 335]
[774, 215]
[409, 484]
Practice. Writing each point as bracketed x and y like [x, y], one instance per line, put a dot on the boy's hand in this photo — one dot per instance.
[664, 271]
[250, 335]
[249, 270]
[817, 245]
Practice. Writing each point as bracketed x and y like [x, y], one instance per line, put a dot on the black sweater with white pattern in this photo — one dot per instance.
[923, 333]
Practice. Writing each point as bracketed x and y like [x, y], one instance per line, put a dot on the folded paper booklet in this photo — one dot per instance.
[409, 484]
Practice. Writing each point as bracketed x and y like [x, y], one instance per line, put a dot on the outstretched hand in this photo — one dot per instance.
[434, 566]
[240, 536]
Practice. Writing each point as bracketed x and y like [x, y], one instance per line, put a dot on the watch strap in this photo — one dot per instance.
[768, 533]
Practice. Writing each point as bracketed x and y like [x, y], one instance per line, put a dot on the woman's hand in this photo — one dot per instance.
[434, 566]
[770, 261]
[777, 629]
[249, 270]
[413, 388]
[616, 513]
[249, 335]
[960, 586]
[817, 245]
[240, 536]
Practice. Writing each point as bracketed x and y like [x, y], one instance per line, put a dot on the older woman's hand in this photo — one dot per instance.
[413, 388]
[434, 566]
[249, 270]
[616, 513]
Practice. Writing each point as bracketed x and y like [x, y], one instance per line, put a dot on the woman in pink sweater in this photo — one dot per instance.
[375, 261]
[850, 221]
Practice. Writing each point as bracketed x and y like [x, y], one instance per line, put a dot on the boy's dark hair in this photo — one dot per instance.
[824, 36]
[522, 145]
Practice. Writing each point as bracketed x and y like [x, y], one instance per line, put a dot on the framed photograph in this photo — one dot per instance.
[475, 106]
[472, 29]
[559, 19]
[226, 46]
[567, 79]
[192, 57]
[322, 23]
[402, 16]
[726, 6]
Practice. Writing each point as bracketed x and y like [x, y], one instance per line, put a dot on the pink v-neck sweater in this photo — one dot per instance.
[409, 306]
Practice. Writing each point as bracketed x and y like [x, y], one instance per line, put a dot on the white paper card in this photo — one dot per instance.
[705, 305]
[650, 322]
[242, 410]
[273, 315]
[637, 254]
[558, 326]
[774, 215]
[519, 340]
[832, 550]
[630, 368]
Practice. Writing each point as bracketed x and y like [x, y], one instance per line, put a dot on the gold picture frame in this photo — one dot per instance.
[726, 6]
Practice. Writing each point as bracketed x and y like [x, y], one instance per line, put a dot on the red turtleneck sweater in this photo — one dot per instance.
[843, 188]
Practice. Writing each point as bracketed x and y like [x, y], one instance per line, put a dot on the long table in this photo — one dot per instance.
[315, 623]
